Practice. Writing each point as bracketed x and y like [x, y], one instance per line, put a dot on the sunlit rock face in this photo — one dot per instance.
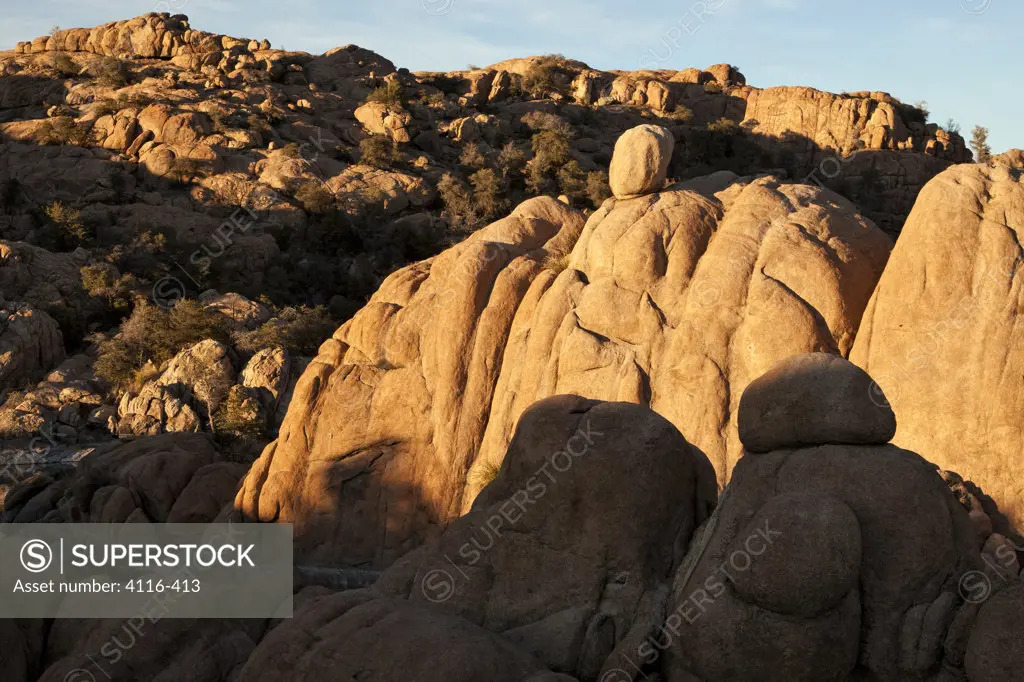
[675, 299]
[942, 335]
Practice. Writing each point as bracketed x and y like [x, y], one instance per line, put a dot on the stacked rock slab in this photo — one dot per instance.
[674, 298]
[832, 555]
[942, 334]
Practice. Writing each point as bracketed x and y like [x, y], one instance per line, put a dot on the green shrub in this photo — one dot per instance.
[488, 201]
[113, 72]
[681, 113]
[547, 75]
[551, 147]
[64, 65]
[62, 130]
[979, 144]
[300, 330]
[391, 93]
[572, 181]
[598, 189]
[457, 199]
[152, 335]
[68, 222]
[379, 151]
[240, 415]
[97, 278]
[511, 160]
[724, 126]
[314, 197]
[542, 120]
[472, 157]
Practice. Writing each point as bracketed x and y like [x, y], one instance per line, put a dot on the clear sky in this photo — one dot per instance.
[961, 56]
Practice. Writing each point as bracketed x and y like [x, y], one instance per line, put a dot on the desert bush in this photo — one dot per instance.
[378, 151]
[724, 126]
[979, 144]
[64, 65]
[511, 160]
[542, 120]
[153, 335]
[598, 189]
[488, 200]
[97, 278]
[68, 222]
[557, 262]
[314, 197]
[548, 75]
[62, 130]
[433, 99]
[472, 157]
[952, 127]
[712, 88]
[572, 181]
[550, 153]
[239, 415]
[551, 147]
[457, 199]
[391, 93]
[113, 72]
[681, 113]
[300, 330]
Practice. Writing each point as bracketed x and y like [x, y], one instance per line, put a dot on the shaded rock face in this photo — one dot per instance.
[360, 635]
[145, 479]
[844, 559]
[556, 554]
[940, 336]
[674, 300]
[31, 344]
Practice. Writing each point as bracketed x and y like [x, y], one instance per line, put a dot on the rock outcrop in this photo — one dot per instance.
[845, 557]
[31, 344]
[940, 335]
[546, 558]
[675, 300]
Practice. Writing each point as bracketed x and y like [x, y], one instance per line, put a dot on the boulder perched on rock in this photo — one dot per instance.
[640, 161]
[939, 336]
[845, 557]
[676, 301]
[546, 557]
[814, 399]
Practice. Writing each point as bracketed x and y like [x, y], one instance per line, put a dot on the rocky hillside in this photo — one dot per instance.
[707, 384]
[144, 162]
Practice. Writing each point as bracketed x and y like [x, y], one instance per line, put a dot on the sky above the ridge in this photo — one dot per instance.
[960, 56]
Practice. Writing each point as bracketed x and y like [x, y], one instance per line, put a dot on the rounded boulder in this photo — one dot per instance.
[640, 161]
[814, 399]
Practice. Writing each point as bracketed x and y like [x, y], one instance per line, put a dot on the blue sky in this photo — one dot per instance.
[961, 56]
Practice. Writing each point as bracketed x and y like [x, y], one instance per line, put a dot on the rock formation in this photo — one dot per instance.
[675, 300]
[940, 334]
[30, 344]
